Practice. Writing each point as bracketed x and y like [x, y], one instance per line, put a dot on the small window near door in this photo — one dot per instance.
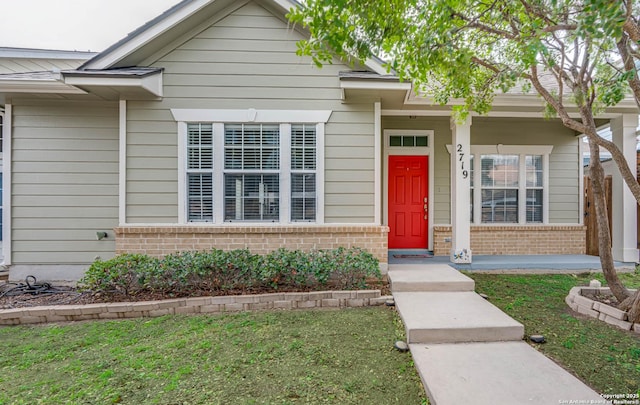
[408, 141]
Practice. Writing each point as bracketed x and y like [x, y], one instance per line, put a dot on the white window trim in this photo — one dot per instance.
[220, 117]
[522, 151]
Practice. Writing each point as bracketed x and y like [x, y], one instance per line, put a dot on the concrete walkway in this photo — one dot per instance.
[467, 351]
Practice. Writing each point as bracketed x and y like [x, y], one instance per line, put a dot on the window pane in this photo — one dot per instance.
[251, 197]
[270, 159]
[395, 141]
[233, 158]
[534, 205]
[200, 197]
[252, 147]
[251, 158]
[421, 141]
[200, 146]
[499, 206]
[303, 147]
[499, 170]
[251, 134]
[303, 197]
[534, 171]
[233, 134]
[408, 141]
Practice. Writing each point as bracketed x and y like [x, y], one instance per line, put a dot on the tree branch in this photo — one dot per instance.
[629, 65]
[485, 28]
[556, 104]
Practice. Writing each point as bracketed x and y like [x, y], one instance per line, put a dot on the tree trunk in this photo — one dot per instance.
[632, 306]
[596, 174]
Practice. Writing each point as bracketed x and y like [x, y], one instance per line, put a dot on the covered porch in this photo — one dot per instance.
[510, 263]
[509, 183]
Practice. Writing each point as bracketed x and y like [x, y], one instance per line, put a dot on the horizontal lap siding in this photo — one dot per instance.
[247, 60]
[65, 181]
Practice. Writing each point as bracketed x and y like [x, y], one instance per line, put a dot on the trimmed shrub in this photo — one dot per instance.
[124, 274]
[218, 271]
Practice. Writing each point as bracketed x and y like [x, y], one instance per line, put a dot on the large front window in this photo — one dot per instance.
[251, 172]
[509, 188]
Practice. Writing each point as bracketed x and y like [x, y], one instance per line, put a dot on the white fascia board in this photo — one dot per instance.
[252, 115]
[374, 85]
[285, 4]
[151, 83]
[32, 53]
[38, 86]
[146, 36]
[376, 66]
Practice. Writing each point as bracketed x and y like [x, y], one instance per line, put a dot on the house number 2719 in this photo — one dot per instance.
[465, 172]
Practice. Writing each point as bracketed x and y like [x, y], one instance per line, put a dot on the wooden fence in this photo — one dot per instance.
[590, 214]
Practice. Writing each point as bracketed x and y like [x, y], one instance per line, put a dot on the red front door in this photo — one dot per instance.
[408, 202]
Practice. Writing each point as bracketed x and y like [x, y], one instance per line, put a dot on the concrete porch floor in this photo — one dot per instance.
[508, 263]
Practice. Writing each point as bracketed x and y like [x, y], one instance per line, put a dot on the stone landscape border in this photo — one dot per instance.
[197, 305]
[595, 309]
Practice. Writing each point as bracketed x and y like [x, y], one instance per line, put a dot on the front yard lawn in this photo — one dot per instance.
[606, 358]
[288, 357]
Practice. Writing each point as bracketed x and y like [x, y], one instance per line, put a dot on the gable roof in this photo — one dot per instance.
[176, 25]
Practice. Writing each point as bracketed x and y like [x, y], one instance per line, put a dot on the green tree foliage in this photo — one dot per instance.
[470, 50]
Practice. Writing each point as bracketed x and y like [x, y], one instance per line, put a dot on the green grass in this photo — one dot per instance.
[289, 357]
[606, 358]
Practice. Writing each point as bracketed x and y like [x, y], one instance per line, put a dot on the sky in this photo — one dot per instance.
[80, 25]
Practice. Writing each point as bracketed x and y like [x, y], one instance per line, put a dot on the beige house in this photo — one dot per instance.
[203, 129]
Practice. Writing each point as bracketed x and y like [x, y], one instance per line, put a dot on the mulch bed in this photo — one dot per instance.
[11, 297]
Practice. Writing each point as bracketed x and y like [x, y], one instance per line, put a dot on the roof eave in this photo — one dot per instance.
[38, 87]
[147, 86]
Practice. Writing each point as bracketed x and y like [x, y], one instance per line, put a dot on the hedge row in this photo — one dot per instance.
[217, 270]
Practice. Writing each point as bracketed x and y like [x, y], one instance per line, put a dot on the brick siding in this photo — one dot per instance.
[162, 240]
[517, 240]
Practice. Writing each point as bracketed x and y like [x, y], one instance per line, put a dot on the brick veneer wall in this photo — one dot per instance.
[162, 240]
[517, 240]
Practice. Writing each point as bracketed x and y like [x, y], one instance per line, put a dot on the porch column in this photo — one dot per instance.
[624, 205]
[460, 186]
